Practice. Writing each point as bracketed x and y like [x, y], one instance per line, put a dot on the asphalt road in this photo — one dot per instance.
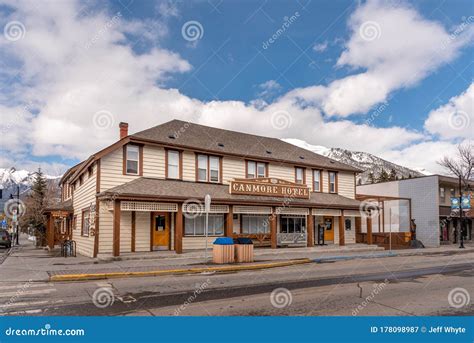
[416, 285]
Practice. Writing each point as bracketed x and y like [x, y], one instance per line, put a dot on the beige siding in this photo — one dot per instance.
[189, 166]
[126, 232]
[232, 168]
[285, 172]
[325, 180]
[192, 243]
[142, 231]
[106, 221]
[111, 171]
[153, 161]
[84, 197]
[346, 184]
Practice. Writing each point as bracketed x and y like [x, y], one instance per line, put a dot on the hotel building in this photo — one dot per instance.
[146, 192]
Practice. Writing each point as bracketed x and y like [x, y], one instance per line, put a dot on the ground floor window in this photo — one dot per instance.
[195, 226]
[255, 224]
[292, 224]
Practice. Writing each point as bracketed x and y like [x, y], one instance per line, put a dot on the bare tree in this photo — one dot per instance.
[462, 164]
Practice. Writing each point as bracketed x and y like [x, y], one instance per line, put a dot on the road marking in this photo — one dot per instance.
[22, 293]
[26, 285]
[19, 313]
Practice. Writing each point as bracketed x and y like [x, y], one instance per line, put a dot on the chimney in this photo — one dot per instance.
[123, 130]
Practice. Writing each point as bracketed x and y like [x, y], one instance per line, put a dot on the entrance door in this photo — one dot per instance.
[328, 229]
[160, 231]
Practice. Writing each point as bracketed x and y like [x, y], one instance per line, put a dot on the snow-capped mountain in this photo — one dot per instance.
[10, 178]
[362, 160]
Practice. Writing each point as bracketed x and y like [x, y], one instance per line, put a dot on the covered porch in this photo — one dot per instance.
[59, 223]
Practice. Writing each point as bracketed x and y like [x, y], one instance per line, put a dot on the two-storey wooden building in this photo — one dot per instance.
[146, 192]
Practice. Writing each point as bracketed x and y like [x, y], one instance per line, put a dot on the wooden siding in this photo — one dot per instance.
[142, 242]
[83, 197]
[193, 243]
[126, 232]
[153, 161]
[345, 184]
[189, 166]
[232, 168]
[105, 229]
[280, 171]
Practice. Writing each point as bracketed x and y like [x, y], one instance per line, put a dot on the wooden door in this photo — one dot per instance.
[328, 229]
[160, 231]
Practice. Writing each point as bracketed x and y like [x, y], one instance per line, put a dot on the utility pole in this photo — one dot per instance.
[461, 239]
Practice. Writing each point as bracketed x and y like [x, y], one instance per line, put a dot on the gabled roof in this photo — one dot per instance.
[189, 135]
[175, 190]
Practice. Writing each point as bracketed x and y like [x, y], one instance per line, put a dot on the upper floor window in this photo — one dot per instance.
[256, 169]
[316, 180]
[132, 157]
[299, 175]
[173, 164]
[208, 168]
[332, 182]
[453, 192]
[85, 225]
[441, 192]
[90, 172]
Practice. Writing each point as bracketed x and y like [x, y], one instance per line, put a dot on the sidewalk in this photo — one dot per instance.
[30, 263]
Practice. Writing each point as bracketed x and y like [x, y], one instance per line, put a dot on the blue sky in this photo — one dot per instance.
[392, 78]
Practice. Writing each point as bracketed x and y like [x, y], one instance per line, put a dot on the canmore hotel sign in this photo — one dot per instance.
[269, 187]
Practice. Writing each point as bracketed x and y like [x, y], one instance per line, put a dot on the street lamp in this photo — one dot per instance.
[17, 213]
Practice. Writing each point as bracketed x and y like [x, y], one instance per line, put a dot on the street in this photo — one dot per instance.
[402, 285]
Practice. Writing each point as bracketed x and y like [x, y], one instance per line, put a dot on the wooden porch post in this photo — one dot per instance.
[178, 238]
[229, 224]
[342, 229]
[358, 229]
[133, 230]
[310, 225]
[50, 231]
[369, 230]
[116, 228]
[273, 228]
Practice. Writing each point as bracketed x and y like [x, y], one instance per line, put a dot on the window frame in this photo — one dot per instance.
[303, 175]
[302, 222]
[83, 221]
[167, 164]
[335, 181]
[208, 168]
[246, 230]
[212, 217]
[256, 175]
[442, 193]
[320, 181]
[139, 160]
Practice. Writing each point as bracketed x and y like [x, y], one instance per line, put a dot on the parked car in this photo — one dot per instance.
[5, 239]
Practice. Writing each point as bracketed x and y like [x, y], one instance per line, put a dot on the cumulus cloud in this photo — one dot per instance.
[391, 47]
[454, 119]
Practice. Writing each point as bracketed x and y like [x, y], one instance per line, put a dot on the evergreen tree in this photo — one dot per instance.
[393, 175]
[36, 202]
[383, 176]
[371, 178]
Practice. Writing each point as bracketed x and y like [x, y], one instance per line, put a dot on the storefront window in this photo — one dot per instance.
[292, 224]
[254, 224]
[196, 226]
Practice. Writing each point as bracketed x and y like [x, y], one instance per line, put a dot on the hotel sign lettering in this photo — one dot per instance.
[269, 187]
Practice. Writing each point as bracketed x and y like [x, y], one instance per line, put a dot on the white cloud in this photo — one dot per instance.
[454, 119]
[396, 48]
[73, 67]
[321, 47]
[268, 89]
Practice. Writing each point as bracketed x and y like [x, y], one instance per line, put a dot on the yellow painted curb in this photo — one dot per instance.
[98, 276]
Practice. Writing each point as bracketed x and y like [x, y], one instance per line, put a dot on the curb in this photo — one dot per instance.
[352, 257]
[99, 276]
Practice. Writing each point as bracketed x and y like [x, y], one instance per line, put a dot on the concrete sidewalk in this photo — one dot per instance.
[36, 264]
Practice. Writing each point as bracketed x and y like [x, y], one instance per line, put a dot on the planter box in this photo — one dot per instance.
[243, 253]
[223, 253]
